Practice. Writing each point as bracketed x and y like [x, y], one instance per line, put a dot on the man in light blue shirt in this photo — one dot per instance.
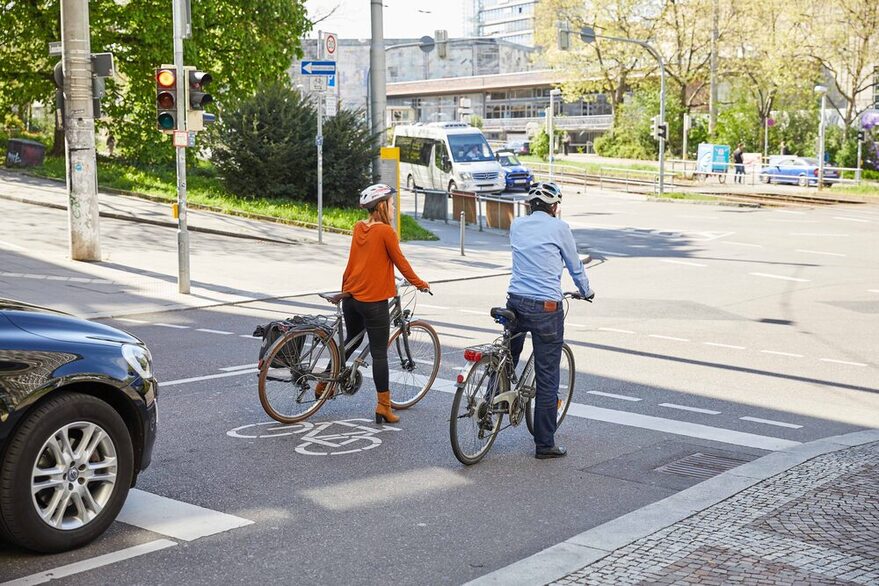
[542, 246]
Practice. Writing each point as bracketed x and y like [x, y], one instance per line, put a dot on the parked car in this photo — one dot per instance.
[519, 147]
[801, 171]
[516, 174]
[78, 417]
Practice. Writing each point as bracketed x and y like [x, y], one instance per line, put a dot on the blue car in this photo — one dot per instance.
[800, 171]
[517, 175]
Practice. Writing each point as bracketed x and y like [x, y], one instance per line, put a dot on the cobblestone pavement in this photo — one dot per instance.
[817, 523]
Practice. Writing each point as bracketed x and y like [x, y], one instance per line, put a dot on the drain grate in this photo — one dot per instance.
[699, 465]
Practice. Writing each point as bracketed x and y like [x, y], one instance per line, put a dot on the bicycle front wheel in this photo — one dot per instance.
[567, 373]
[473, 426]
[413, 361]
[297, 374]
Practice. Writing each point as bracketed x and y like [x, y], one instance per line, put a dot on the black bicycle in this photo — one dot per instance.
[489, 389]
[307, 364]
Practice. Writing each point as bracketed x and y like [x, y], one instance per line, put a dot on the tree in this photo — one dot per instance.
[243, 43]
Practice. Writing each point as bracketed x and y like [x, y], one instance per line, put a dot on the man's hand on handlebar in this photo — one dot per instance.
[590, 295]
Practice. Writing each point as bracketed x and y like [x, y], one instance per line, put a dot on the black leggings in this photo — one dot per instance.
[375, 318]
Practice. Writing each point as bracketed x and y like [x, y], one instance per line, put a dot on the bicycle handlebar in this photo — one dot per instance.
[577, 295]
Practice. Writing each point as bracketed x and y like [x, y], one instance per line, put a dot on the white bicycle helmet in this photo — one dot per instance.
[373, 194]
[545, 191]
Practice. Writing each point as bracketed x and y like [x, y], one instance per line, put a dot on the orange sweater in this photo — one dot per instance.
[375, 251]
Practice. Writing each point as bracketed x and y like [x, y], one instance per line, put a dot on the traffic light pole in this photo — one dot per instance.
[182, 83]
[79, 129]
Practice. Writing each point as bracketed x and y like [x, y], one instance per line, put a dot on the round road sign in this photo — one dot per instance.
[331, 45]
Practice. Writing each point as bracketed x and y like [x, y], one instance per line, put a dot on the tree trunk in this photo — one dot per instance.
[58, 140]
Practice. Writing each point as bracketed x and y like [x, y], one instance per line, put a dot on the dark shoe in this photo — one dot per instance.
[553, 452]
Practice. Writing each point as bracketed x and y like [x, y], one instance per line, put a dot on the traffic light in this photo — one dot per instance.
[166, 98]
[861, 136]
[564, 36]
[657, 130]
[663, 131]
[197, 98]
[442, 43]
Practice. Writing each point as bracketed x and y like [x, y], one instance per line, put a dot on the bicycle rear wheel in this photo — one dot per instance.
[291, 371]
[473, 426]
[413, 361]
[567, 374]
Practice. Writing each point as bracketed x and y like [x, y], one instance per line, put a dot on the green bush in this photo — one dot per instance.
[265, 148]
[540, 144]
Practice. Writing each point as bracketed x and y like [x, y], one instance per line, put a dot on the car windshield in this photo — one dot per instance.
[470, 147]
[508, 160]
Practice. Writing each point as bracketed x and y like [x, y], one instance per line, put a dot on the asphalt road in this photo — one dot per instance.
[722, 331]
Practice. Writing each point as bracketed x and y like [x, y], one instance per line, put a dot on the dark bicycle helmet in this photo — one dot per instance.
[546, 192]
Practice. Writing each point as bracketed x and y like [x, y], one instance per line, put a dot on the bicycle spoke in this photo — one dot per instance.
[413, 357]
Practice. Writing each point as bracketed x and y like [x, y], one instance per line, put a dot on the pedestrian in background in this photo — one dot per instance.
[783, 149]
[566, 142]
[739, 160]
[111, 144]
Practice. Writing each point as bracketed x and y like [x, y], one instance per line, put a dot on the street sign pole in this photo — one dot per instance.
[183, 280]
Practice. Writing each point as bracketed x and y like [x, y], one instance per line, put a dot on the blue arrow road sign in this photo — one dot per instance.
[318, 67]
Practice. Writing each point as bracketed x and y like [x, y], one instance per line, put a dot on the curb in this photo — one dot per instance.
[590, 546]
[718, 202]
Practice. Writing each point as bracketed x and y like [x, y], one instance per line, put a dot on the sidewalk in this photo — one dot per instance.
[807, 515]
[233, 259]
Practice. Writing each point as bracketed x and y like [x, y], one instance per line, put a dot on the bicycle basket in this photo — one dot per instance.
[271, 331]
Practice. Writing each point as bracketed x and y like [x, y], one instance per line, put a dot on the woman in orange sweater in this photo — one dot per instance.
[369, 278]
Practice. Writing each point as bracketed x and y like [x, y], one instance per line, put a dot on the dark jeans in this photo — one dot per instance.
[547, 335]
[375, 318]
[740, 170]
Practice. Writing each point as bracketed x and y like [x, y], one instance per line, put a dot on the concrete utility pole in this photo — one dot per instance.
[79, 128]
[712, 100]
[183, 274]
[377, 84]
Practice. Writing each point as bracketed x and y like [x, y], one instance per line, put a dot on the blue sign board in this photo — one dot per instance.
[331, 81]
[712, 158]
[318, 67]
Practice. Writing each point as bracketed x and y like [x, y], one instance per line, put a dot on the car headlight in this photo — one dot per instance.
[139, 358]
[466, 176]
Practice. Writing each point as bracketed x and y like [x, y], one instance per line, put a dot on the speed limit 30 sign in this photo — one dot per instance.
[331, 43]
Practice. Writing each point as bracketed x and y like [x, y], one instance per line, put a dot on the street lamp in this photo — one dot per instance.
[587, 35]
[822, 91]
[553, 93]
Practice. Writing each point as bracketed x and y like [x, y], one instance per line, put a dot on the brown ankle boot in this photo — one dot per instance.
[383, 412]
[319, 389]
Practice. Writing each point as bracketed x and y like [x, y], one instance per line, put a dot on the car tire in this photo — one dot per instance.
[453, 186]
[764, 178]
[803, 181]
[20, 520]
[410, 183]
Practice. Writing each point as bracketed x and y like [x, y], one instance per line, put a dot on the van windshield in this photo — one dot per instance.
[469, 147]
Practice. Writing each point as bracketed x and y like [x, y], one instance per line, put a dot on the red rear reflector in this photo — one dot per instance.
[815, 171]
[460, 379]
[472, 355]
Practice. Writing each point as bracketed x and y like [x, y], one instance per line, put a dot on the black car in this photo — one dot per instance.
[78, 420]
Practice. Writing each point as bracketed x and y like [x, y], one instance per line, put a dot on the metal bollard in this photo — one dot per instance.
[415, 191]
[462, 233]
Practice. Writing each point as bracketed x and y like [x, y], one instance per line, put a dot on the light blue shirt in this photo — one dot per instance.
[542, 247]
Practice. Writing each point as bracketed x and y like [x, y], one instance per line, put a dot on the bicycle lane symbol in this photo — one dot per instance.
[317, 440]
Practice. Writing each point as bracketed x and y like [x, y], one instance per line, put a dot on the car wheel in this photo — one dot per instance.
[453, 186]
[65, 475]
[803, 181]
[765, 179]
[410, 183]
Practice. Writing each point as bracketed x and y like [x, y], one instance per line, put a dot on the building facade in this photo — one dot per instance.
[510, 20]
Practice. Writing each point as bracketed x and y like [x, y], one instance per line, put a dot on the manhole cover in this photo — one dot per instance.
[700, 465]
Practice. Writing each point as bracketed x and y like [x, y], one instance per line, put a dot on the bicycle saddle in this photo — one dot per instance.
[504, 316]
[335, 298]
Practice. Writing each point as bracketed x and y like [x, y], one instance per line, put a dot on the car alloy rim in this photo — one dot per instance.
[74, 475]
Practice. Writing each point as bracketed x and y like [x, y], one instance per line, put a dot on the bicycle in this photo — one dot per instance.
[307, 364]
[484, 394]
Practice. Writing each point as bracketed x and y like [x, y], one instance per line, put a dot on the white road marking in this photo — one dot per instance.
[239, 367]
[474, 312]
[771, 422]
[246, 336]
[693, 409]
[818, 234]
[872, 290]
[175, 518]
[176, 327]
[719, 345]
[820, 252]
[613, 396]
[610, 253]
[11, 245]
[782, 277]
[846, 362]
[616, 330]
[221, 332]
[92, 563]
[851, 219]
[742, 244]
[790, 212]
[194, 379]
[682, 262]
[719, 434]
[432, 306]
[777, 353]
[132, 321]
[668, 338]
[575, 325]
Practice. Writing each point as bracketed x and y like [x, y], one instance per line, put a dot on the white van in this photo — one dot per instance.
[447, 156]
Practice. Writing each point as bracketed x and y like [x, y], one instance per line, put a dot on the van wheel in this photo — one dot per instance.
[803, 181]
[453, 186]
[410, 183]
